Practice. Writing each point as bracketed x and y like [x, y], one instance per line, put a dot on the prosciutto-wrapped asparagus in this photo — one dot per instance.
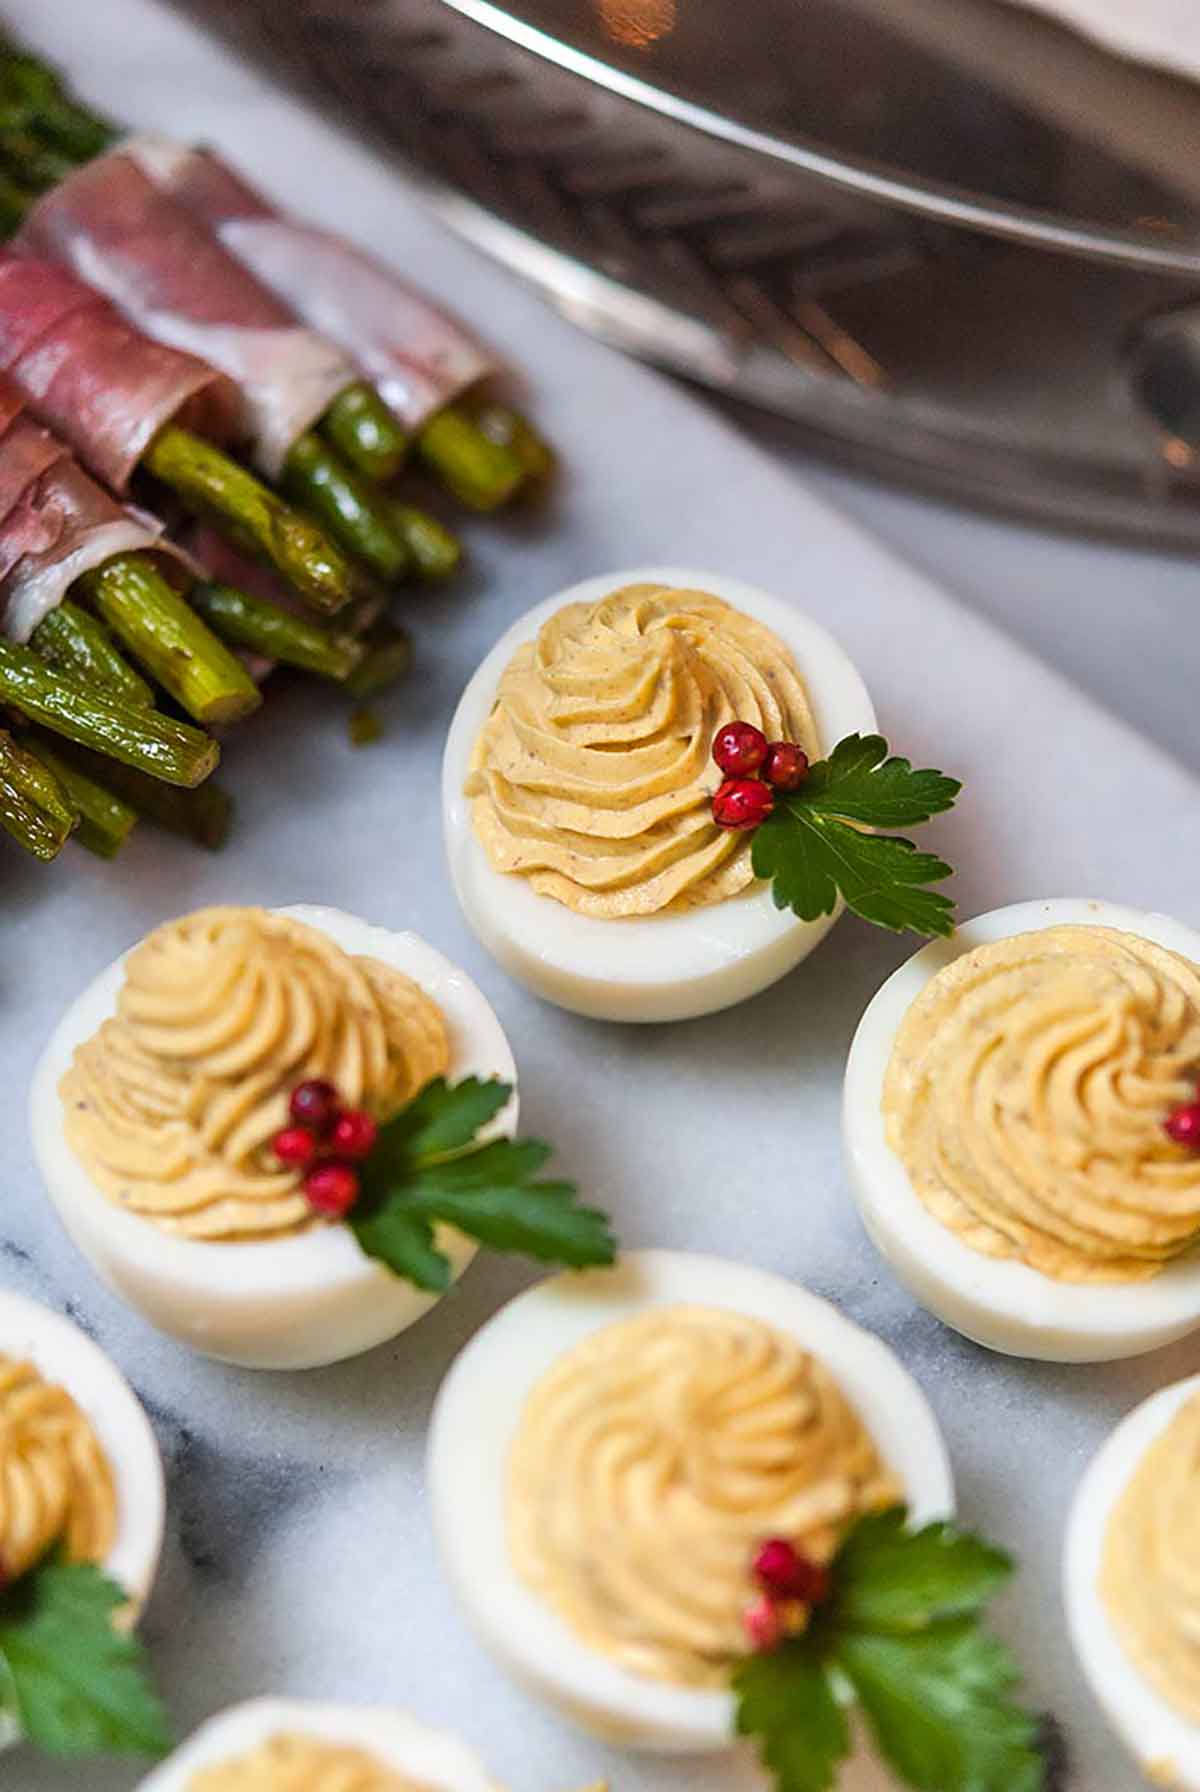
[110, 224]
[170, 277]
[99, 384]
[424, 359]
[124, 401]
[419, 357]
[60, 531]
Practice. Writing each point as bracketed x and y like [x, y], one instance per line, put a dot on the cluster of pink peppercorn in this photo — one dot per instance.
[325, 1140]
[1184, 1124]
[755, 768]
[791, 1584]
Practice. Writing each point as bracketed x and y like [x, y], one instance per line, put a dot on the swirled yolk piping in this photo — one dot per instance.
[1150, 1570]
[302, 1764]
[593, 775]
[653, 1459]
[1026, 1095]
[173, 1104]
[56, 1484]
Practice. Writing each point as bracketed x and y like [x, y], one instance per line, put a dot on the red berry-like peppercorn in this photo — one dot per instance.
[742, 803]
[739, 748]
[784, 1572]
[763, 1625]
[354, 1134]
[332, 1189]
[1184, 1126]
[786, 765]
[294, 1146]
[315, 1104]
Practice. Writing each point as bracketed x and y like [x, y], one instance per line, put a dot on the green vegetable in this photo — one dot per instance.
[484, 458]
[900, 1634]
[57, 118]
[811, 853]
[71, 1676]
[64, 704]
[481, 473]
[434, 551]
[203, 816]
[171, 641]
[75, 641]
[354, 513]
[501, 424]
[32, 163]
[105, 822]
[429, 1168]
[14, 203]
[35, 810]
[365, 433]
[258, 626]
[213, 486]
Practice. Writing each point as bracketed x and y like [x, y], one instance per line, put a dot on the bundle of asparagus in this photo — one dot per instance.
[77, 568]
[422, 362]
[176, 241]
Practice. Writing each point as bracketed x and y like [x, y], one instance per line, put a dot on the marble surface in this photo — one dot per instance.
[300, 1552]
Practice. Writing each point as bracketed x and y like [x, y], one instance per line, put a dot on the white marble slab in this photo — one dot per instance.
[300, 1555]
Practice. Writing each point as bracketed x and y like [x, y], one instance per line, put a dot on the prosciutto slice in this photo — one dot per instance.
[26, 452]
[103, 387]
[160, 265]
[418, 356]
[55, 521]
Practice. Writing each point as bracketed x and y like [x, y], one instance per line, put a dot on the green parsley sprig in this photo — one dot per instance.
[900, 1637]
[73, 1680]
[429, 1167]
[812, 847]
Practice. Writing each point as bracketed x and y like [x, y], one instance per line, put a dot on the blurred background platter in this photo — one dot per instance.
[929, 232]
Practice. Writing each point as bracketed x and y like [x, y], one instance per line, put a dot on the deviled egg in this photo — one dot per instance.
[1131, 1586]
[578, 783]
[79, 1463]
[610, 1451]
[1005, 1121]
[293, 1745]
[157, 1105]
[80, 1470]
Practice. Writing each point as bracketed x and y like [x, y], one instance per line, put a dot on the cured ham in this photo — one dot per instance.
[101, 385]
[55, 521]
[418, 357]
[170, 276]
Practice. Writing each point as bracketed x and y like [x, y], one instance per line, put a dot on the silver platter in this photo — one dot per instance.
[945, 238]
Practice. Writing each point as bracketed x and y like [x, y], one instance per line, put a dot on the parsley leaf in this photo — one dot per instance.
[860, 782]
[938, 1708]
[786, 1701]
[404, 1242]
[445, 1118]
[896, 1580]
[901, 1633]
[812, 848]
[75, 1683]
[428, 1169]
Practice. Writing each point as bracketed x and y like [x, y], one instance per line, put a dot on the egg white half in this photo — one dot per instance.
[1003, 1304]
[64, 1355]
[1165, 1743]
[290, 1303]
[478, 1413]
[662, 967]
[430, 1757]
